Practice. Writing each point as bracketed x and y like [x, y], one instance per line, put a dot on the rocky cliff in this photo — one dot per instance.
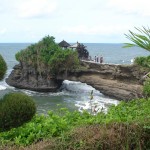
[123, 82]
[26, 77]
[118, 81]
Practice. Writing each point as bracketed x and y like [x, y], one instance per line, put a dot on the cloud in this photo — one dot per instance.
[35, 8]
[131, 6]
[3, 31]
[96, 30]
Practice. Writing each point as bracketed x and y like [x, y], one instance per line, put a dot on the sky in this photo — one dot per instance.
[85, 21]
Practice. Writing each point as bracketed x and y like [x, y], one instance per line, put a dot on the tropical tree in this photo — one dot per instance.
[140, 39]
[82, 51]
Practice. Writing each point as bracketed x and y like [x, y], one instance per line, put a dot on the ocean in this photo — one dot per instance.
[73, 95]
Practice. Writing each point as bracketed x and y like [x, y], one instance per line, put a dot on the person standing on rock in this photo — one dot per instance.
[101, 59]
[95, 58]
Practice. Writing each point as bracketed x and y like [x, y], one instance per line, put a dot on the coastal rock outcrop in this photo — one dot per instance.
[123, 82]
[26, 77]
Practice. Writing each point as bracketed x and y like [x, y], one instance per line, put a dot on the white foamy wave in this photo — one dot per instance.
[2, 87]
[34, 93]
[62, 93]
[7, 86]
[97, 104]
[78, 87]
[29, 93]
[132, 60]
[83, 91]
[3, 84]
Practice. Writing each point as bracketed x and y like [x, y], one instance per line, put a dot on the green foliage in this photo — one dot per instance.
[57, 125]
[15, 110]
[82, 51]
[47, 55]
[66, 59]
[135, 110]
[146, 88]
[143, 61]
[141, 39]
[3, 67]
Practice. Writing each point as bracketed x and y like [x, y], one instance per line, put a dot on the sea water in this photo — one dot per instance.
[72, 95]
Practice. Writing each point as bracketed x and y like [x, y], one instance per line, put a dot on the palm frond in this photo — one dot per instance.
[141, 39]
[127, 45]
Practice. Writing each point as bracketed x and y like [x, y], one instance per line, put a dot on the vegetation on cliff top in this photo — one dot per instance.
[143, 61]
[46, 55]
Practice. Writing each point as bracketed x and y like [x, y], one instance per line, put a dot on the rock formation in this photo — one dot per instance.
[123, 82]
[26, 77]
[118, 81]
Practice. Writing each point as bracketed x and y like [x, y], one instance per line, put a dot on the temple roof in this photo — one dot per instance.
[64, 44]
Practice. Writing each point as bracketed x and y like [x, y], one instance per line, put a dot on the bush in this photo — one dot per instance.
[15, 110]
[113, 136]
[143, 61]
[3, 67]
[146, 88]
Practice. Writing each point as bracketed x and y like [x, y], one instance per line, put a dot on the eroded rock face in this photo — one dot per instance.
[26, 77]
[118, 81]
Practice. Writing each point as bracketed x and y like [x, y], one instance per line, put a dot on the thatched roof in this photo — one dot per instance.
[64, 44]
